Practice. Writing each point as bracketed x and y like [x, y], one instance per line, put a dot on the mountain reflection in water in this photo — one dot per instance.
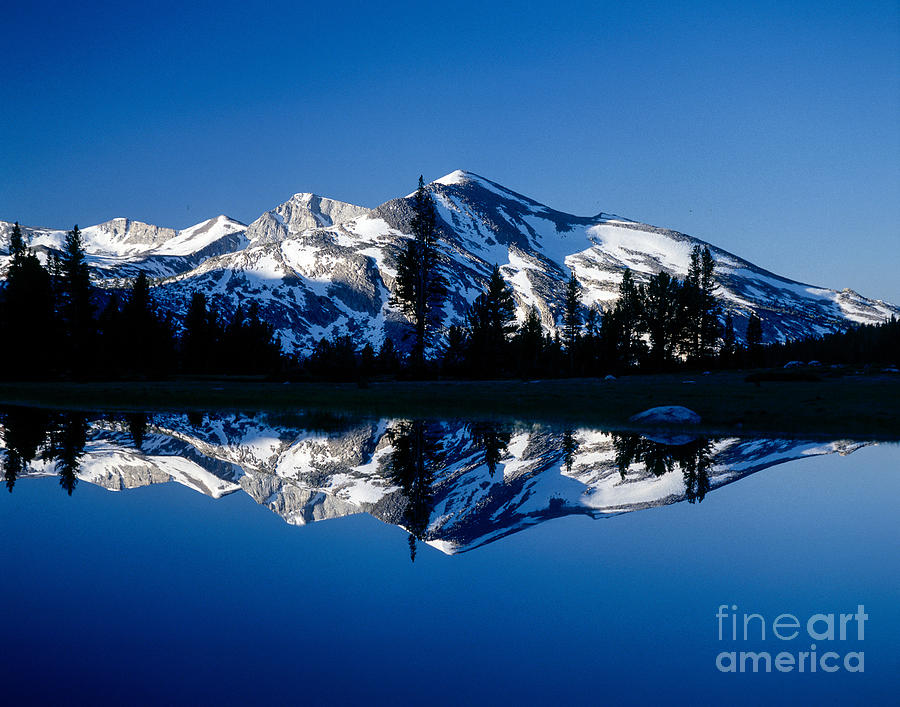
[455, 485]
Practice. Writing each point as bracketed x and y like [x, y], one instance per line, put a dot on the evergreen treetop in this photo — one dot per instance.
[420, 286]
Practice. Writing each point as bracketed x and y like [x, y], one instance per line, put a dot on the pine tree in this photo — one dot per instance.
[754, 330]
[530, 344]
[366, 362]
[660, 304]
[413, 465]
[140, 325]
[456, 351]
[25, 430]
[234, 351]
[691, 303]
[387, 361]
[699, 310]
[754, 338]
[114, 340]
[263, 351]
[66, 443]
[198, 337]
[491, 322]
[420, 286]
[27, 322]
[569, 447]
[728, 341]
[492, 440]
[77, 310]
[571, 317]
[710, 309]
[628, 322]
[17, 248]
[611, 342]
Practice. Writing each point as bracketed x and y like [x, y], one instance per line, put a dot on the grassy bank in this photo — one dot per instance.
[858, 406]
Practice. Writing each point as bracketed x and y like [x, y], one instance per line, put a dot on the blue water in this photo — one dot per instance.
[163, 595]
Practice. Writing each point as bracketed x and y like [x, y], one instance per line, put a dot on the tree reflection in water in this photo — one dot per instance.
[29, 433]
[569, 447]
[419, 456]
[413, 464]
[492, 439]
[137, 426]
[692, 455]
[25, 431]
[65, 445]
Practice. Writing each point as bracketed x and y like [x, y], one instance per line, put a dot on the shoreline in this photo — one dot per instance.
[865, 406]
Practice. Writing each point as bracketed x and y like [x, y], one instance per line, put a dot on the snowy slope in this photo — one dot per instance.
[319, 266]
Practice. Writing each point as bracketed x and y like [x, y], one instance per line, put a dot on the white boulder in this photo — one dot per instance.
[667, 414]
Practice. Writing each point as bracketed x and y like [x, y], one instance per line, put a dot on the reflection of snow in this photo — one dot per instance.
[305, 475]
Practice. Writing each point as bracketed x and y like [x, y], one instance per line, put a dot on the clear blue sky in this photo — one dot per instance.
[770, 129]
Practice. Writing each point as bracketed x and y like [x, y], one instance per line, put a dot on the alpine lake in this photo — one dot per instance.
[328, 558]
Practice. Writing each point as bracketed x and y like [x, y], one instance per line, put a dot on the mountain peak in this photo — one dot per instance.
[226, 218]
[304, 196]
[457, 176]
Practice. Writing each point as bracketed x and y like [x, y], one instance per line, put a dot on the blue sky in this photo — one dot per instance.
[769, 129]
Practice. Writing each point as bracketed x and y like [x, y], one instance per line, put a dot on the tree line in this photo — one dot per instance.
[861, 345]
[55, 324]
[655, 326]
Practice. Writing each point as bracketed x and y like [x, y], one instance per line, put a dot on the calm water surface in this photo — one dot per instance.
[438, 562]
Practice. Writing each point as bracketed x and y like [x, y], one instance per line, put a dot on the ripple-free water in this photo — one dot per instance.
[550, 564]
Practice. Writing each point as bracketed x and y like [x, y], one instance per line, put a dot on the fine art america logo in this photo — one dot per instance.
[816, 643]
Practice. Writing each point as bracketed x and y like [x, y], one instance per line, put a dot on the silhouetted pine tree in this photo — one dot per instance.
[710, 308]
[660, 316]
[76, 308]
[612, 342]
[367, 364]
[727, 353]
[199, 337]
[571, 318]
[629, 323]
[17, 248]
[754, 339]
[150, 339]
[388, 361]
[691, 302]
[420, 286]
[27, 317]
[491, 323]
[334, 358]
[262, 351]
[112, 337]
[456, 351]
[529, 344]
[591, 340]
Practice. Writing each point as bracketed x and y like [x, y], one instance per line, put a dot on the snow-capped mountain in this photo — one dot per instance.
[121, 248]
[317, 266]
[305, 474]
